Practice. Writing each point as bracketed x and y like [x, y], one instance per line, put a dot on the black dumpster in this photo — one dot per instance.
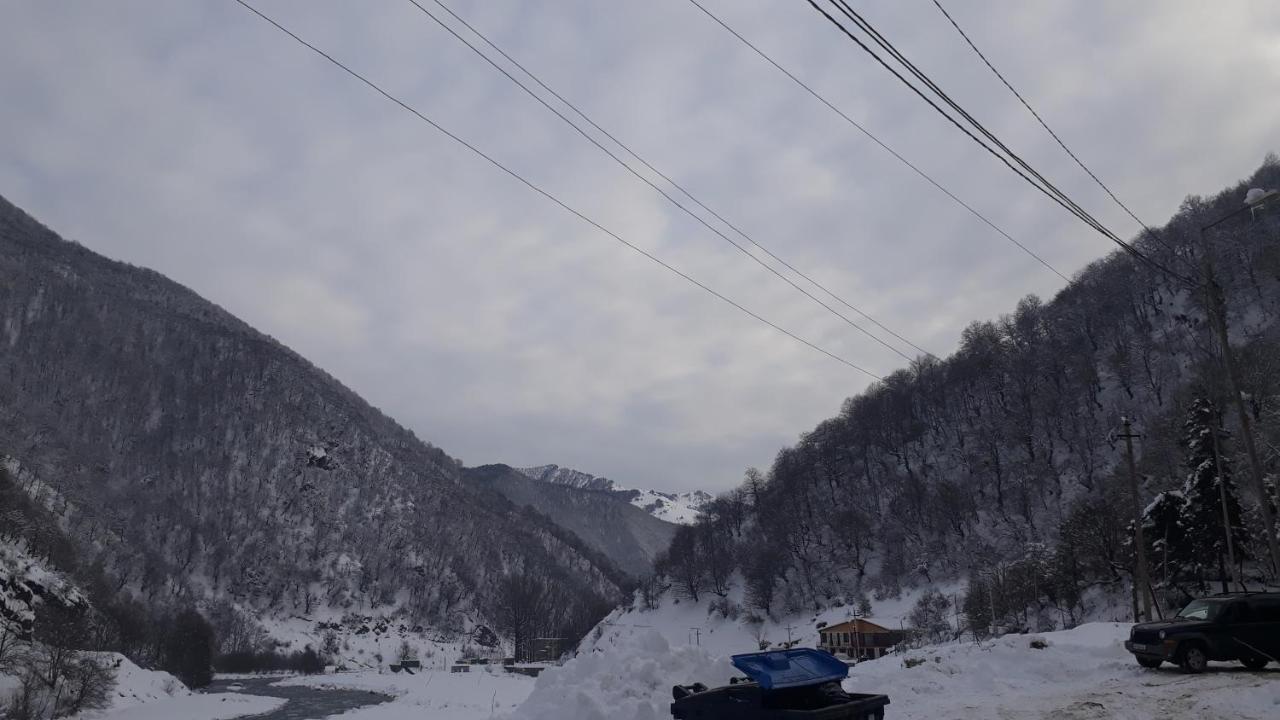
[799, 684]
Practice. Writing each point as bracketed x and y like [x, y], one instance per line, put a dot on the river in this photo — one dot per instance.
[304, 703]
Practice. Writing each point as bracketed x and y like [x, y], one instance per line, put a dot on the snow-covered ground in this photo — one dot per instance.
[220, 706]
[1083, 673]
[627, 672]
[154, 695]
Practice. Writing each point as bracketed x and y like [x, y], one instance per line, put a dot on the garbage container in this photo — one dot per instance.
[797, 684]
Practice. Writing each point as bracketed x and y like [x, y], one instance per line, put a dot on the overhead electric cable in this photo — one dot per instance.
[528, 183]
[667, 195]
[1044, 186]
[1150, 231]
[1048, 188]
[807, 88]
[647, 164]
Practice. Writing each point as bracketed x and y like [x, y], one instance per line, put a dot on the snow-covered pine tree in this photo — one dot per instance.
[1162, 526]
[1202, 516]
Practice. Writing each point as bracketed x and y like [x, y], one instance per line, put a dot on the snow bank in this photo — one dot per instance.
[630, 681]
[218, 706]
[151, 694]
[136, 686]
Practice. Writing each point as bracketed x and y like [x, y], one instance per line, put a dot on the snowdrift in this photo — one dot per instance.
[1080, 673]
[627, 681]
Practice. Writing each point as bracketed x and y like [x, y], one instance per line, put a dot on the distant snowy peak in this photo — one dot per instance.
[680, 508]
[557, 475]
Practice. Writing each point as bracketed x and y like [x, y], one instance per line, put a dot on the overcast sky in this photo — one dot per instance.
[194, 139]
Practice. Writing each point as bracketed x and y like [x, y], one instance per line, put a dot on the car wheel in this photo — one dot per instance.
[1254, 663]
[1149, 663]
[1194, 660]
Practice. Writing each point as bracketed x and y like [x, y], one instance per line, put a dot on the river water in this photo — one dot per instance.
[304, 703]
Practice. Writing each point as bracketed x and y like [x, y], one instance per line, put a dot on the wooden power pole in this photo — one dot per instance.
[1141, 583]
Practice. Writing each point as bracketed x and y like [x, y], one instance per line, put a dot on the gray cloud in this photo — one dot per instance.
[192, 138]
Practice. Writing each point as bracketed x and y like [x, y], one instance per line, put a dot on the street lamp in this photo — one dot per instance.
[1216, 307]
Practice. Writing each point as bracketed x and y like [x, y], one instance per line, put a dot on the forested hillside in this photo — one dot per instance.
[190, 458]
[995, 464]
[601, 518]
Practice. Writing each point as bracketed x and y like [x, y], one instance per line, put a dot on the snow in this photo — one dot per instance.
[151, 694]
[626, 668]
[630, 681]
[680, 508]
[1254, 195]
[1083, 673]
[215, 706]
[366, 651]
[440, 695]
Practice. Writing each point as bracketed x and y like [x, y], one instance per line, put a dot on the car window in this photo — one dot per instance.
[1201, 610]
[1237, 612]
[1266, 609]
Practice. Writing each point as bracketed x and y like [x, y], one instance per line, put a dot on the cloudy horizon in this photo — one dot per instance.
[196, 140]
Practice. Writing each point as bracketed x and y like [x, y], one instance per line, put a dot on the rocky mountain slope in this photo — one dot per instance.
[680, 508]
[192, 457]
[625, 534]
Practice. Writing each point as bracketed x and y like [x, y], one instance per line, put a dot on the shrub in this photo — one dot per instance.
[188, 650]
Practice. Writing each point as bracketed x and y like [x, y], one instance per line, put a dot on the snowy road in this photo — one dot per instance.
[1162, 694]
[1083, 674]
[303, 703]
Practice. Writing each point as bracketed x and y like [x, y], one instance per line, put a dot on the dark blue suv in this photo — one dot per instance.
[1242, 627]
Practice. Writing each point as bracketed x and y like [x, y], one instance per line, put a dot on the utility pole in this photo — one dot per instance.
[1142, 587]
[1222, 494]
[857, 638]
[991, 602]
[789, 628]
[1216, 309]
[697, 635]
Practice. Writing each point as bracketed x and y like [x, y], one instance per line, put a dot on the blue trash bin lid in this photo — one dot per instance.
[791, 668]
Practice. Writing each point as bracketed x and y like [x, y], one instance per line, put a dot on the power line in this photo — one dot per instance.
[658, 189]
[497, 164]
[665, 177]
[875, 139]
[1155, 236]
[1046, 188]
[1043, 185]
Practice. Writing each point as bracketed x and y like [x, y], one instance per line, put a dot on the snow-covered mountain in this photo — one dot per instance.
[602, 519]
[190, 456]
[680, 508]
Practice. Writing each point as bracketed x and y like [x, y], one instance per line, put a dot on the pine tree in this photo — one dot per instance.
[1210, 475]
[1166, 536]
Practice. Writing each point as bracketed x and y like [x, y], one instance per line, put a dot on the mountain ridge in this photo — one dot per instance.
[165, 425]
[681, 508]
